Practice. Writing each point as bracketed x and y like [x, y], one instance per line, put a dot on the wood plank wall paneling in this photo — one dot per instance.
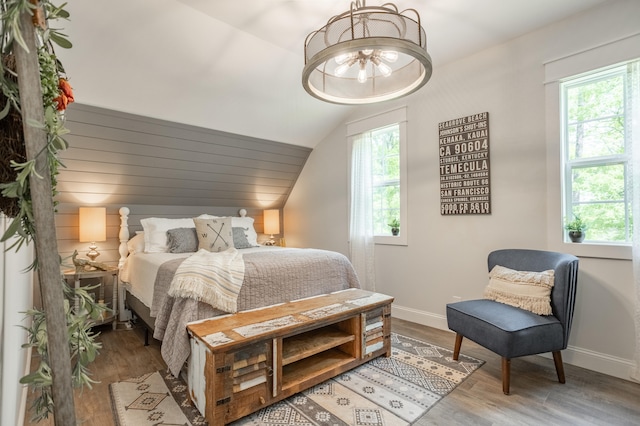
[67, 225]
[119, 158]
[164, 169]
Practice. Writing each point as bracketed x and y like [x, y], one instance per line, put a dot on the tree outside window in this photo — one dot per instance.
[378, 190]
[385, 143]
[597, 176]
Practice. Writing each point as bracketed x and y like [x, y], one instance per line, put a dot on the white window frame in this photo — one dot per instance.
[576, 63]
[573, 164]
[397, 116]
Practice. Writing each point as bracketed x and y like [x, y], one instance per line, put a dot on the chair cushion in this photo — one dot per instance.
[506, 330]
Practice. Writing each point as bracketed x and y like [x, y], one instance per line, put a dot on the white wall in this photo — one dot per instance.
[446, 255]
[317, 208]
[15, 299]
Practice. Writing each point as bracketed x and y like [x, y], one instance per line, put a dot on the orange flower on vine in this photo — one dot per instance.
[66, 94]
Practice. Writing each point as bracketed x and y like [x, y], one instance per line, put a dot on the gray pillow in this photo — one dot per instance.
[182, 240]
[240, 240]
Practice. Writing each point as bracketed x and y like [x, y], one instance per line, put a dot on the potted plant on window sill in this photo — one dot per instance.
[576, 229]
[395, 227]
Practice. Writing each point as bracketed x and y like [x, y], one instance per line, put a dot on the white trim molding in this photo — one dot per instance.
[419, 317]
[579, 357]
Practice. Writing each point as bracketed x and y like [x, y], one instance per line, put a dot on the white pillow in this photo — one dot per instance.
[207, 216]
[136, 244]
[155, 232]
[246, 223]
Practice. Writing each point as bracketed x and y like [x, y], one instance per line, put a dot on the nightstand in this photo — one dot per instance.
[101, 277]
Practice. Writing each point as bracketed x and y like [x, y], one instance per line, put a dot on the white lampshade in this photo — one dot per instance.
[93, 224]
[272, 222]
[93, 227]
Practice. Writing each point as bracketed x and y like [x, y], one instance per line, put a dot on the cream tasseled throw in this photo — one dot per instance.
[522, 289]
[213, 278]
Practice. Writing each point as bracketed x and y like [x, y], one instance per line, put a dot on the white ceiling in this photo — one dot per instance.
[235, 65]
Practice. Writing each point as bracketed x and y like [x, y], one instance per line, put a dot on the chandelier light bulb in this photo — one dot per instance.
[389, 55]
[342, 58]
[362, 74]
[367, 52]
[384, 69]
[342, 69]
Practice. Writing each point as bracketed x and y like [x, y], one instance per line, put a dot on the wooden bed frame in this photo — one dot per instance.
[129, 304]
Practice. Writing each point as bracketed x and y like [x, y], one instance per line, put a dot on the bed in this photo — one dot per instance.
[154, 261]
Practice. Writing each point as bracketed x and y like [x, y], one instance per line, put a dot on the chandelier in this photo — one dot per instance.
[367, 54]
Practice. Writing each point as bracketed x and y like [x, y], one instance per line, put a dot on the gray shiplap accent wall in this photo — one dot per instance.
[68, 233]
[164, 169]
[119, 158]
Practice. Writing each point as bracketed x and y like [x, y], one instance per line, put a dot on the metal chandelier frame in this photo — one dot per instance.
[367, 54]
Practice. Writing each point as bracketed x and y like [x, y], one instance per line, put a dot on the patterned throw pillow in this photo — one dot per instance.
[155, 232]
[214, 234]
[522, 289]
[240, 240]
[182, 240]
[246, 223]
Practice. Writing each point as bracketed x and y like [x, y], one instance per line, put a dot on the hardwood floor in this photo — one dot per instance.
[537, 398]
[587, 398]
[123, 355]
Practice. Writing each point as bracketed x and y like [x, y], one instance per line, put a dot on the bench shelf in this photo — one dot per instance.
[246, 361]
[312, 342]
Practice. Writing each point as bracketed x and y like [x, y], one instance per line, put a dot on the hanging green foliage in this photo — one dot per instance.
[16, 172]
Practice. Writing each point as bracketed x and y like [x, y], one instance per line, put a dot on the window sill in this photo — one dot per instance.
[598, 250]
[388, 240]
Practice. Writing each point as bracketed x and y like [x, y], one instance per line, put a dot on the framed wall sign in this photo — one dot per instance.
[465, 183]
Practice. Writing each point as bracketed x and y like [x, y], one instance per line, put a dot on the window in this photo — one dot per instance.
[573, 70]
[384, 137]
[596, 139]
[385, 153]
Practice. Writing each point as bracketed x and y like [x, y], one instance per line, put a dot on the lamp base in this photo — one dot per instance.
[270, 242]
[93, 252]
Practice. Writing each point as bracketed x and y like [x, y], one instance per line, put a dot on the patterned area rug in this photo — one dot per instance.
[385, 391]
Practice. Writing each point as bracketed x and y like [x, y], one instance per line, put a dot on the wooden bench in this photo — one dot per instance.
[243, 362]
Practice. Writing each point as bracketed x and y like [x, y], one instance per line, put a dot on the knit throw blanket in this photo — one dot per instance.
[213, 278]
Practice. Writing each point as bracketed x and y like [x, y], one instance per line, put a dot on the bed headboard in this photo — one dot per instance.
[124, 233]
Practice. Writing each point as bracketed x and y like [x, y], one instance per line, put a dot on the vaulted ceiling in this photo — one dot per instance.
[235, 65]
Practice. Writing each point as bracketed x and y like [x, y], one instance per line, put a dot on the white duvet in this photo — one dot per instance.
[139, 271]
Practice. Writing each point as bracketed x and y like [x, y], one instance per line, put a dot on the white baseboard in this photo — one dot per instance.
[596, 361]
[584, 358]
[419, 317]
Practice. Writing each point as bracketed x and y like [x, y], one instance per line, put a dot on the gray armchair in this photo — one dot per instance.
[513, 332]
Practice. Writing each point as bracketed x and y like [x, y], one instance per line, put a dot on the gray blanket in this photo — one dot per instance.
[270, 278]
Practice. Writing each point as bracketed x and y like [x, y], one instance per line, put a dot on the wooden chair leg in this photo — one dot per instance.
[557, 359]
[456, 348]
[506, 375]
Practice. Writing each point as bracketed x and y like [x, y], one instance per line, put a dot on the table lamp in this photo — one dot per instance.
[93, 228]
[271, 224]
